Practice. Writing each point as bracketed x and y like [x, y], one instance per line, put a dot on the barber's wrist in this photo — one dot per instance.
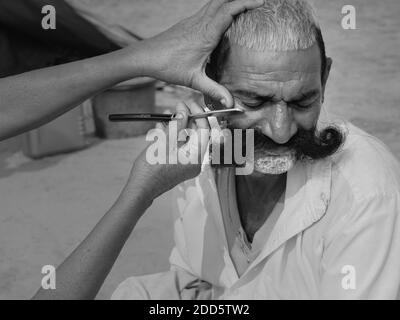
[140, 59]
[135, 195]
[132, 61]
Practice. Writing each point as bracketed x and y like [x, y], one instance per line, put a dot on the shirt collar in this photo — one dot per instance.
[306, 201]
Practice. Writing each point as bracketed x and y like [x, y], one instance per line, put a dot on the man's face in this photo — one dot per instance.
[281, 93]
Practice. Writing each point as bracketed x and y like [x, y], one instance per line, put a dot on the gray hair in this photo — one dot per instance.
[279, 25]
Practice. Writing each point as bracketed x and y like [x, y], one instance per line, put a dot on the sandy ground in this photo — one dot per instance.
[48, 206]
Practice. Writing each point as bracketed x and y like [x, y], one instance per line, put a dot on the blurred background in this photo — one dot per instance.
[57, 181]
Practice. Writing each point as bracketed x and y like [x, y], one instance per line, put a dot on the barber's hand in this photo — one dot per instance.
[179, 55]
[156, 179]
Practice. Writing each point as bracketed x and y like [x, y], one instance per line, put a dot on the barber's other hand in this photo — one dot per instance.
[179, 55]
[155, 179]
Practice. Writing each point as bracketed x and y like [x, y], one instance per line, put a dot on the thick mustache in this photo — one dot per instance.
[305, 143]
[301, 138]
[262, 141]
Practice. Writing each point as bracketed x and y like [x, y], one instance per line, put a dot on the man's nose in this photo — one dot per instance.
[279, 124]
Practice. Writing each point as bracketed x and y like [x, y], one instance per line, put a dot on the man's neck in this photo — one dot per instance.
[257, 195]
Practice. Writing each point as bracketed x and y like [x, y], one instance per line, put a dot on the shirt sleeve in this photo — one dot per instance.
[362, 260]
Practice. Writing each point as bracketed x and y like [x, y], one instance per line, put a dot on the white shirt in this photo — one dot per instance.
[240, 249]
[338, 236]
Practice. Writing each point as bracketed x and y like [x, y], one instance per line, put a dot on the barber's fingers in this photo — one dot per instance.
[213, 5]
[210, 8]
[204, 9]
[228, 10]
[194, 149]
[193, 135]
[182, 112]
[198, 135]
[163, 125]
[211, 88]
[195, 108]
[218, 16]
[185, 126]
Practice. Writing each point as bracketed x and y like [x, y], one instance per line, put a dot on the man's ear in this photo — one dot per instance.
[325, 75]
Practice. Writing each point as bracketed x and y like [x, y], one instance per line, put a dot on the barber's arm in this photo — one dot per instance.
[81, 275]
[178, 56]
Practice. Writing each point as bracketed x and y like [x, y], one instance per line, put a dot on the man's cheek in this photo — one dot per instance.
[307, 120]
[237, 125]
[246, 120]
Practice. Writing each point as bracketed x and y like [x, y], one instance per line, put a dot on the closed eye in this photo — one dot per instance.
[251, 103]
[254, 104]
[303, 107]
[305, 103]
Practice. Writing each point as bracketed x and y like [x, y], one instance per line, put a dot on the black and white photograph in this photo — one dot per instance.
[213, 150]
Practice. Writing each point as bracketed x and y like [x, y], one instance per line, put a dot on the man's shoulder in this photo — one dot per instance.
[366, 163]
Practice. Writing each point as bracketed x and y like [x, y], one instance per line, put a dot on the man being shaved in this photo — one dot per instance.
[319, 216]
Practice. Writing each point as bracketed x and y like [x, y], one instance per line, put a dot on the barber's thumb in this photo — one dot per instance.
[216, 91]
[181, 116]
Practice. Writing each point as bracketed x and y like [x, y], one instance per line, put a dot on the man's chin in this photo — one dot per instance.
[268, 163]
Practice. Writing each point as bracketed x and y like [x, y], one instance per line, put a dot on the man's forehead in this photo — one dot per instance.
[273, 76]
[271, 65]
[284, 75]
